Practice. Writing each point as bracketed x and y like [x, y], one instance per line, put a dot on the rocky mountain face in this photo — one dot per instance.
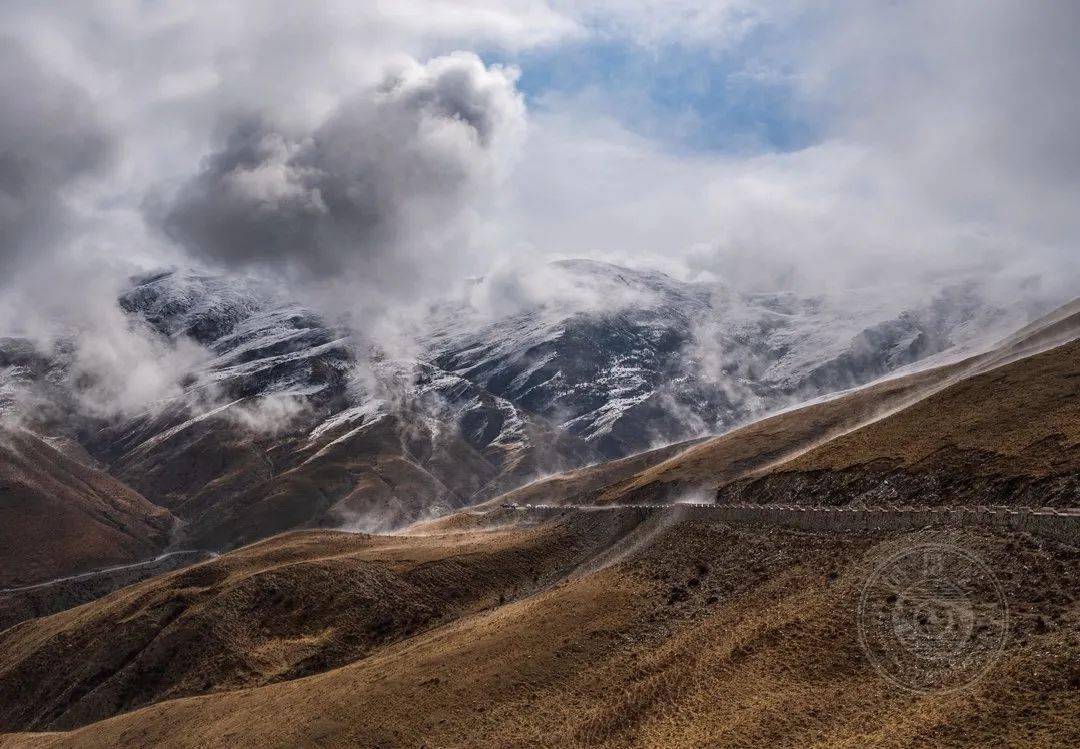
[287, 421]
[639, 359]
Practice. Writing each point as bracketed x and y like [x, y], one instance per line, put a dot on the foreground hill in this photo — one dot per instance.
[278, 610]
[597, 629]
[60, 514]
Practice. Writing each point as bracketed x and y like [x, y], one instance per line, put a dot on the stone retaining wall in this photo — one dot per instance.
[1059, 524]
[1062, 525]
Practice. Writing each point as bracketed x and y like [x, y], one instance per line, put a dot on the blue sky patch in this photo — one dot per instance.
[688, 97]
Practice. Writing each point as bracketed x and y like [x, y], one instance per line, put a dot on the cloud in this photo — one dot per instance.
[121, 368]
[945, 137]
[270, 415]
[964, 110]
[55, 146]
[371, 190]
[273, 139]
[51, 139]
[517, 284]
[945, 148]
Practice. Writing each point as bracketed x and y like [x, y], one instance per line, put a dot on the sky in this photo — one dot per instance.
[368, 152]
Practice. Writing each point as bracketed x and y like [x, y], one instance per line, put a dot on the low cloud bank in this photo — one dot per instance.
[373, 196]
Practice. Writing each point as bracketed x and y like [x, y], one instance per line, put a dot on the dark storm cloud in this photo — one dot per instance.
[389, 164]
[251, 200]
[50, 137]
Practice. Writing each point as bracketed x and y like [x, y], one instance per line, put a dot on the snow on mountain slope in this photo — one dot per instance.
[276, 425]
[257, 345]
[636, 358]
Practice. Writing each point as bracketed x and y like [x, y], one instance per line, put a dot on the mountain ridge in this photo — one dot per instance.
[287, 421]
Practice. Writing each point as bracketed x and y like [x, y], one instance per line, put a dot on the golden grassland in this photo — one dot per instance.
[704, 636]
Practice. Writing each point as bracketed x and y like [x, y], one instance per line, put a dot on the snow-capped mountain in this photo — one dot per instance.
[285, 421]
[636, 358]
[256, 345]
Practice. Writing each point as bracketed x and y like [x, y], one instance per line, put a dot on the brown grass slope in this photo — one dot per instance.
[60, 516]
[695, 473]
[601, 628]
[702, 635]
[281, 609]
[65, 593]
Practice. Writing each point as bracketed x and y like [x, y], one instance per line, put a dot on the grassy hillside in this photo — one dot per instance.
[684, 635]
[61, 516]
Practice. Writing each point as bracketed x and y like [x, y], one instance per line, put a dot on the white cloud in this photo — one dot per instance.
[947, 144]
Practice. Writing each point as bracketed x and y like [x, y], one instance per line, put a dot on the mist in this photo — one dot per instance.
[375, 164]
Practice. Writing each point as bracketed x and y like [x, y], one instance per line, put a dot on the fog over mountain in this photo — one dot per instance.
[279, 418]
[433, 212]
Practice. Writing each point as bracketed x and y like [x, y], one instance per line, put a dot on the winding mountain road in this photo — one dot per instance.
[111, 570]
